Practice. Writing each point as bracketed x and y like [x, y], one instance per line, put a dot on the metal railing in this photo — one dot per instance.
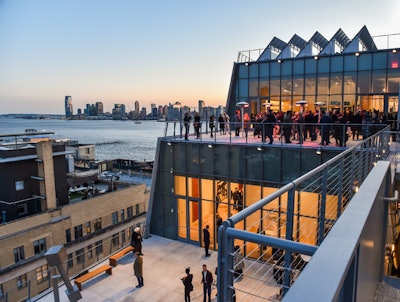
[284, 229]
[297, 133]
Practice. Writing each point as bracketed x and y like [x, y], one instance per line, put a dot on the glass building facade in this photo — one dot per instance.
[341, 74]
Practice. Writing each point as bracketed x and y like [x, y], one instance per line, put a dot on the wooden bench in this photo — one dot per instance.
[113, 259]
[90, 275]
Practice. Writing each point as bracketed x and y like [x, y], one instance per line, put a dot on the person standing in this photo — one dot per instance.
[269, 124]
[206, 238]
[287, 126]
[211, 125]
[186, 122]
[326, 127]
[136, 240]
[238, 263]
[138, 269]
[227, 123]
[221, 122]
[235, 197]
[207, 280]
[218, 222]
[236, 121]
[197, 124]
[187, 282]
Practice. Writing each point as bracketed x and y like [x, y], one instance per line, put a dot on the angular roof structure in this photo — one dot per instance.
[318, 45]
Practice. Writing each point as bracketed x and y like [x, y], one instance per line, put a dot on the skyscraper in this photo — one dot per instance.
[68, 106]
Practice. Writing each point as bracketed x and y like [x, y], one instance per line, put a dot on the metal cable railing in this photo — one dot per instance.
[292, 222]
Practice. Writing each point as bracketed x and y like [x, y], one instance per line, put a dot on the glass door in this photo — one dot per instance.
[188, 220]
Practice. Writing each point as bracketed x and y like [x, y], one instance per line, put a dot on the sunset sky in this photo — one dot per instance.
[121, 51]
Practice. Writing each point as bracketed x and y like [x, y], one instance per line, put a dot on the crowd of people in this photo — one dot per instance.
[297, 126]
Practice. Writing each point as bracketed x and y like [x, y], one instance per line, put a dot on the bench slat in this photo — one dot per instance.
[113, 259]
[90, 275]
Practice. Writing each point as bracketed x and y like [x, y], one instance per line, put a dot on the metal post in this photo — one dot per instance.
[55, 256]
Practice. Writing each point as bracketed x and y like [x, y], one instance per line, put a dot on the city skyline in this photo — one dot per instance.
[151, 52]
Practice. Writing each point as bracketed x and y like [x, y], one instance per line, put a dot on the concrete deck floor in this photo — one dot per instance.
[164, 264]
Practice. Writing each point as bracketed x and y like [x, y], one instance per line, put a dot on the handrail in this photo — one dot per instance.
[332, 184]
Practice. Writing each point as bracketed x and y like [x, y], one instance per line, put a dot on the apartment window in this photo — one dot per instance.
[114, 218]
[115, 239]
[122, 214]
[19, 185]
[1, 291]
[80, 256]
[22, 209]
[90, 251]
[42, 274]
[137, 206]
[123, 236]
[97, 224]
[99, 247]
[19, 253]
[39, 246]
[88, 227]
[78, 231]
[68, 235]
[129, 212]
[22, 281]
[70, 261]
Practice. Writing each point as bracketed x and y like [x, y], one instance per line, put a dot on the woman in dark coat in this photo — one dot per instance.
[187, 282]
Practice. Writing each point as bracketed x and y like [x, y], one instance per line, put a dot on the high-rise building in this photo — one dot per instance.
[137, 107]
[68, 106]
[99, 108]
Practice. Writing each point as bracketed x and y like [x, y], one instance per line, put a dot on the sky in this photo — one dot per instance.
[153, 51]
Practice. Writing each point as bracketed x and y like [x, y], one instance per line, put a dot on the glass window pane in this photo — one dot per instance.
[286, 86]
[310, 85]
[298, 67]
[323, 65]
[264, 69]
[264, 89]
[221, 160]
[253, 164]
[298, 86]
[337, 64]
[180, 185]
[275, 68]
[394, 60]
[365, 61]
[364, 82]
[336, 83]
[253, 70]
[323, 84]
[311, 66]
[243, 71]
[380, 60]
[243, 88]
[253, 87]
[236, 164]
[275, 86]
[379, 81]
[287, 67]
[350, 63]
[349, 83]
[393, 81]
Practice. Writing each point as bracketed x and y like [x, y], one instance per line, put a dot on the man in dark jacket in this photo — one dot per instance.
[326, 127]
[207, 280]
[269, 124]
[206, 238]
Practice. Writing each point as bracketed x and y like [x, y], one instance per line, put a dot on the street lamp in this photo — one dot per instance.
[179, 105]
[242, 105]
[302, 104]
